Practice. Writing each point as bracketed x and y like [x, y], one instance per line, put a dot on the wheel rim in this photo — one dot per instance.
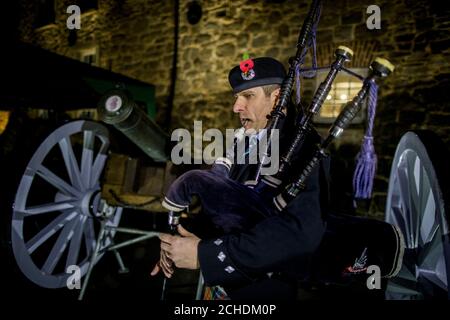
[415, 204]
[54, 215]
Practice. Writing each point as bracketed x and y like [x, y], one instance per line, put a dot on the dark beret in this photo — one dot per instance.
[265, 71]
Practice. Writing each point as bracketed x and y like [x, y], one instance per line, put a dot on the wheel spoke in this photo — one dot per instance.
[429, 224]
[403, 287]
[407, 273]
[424, 192]
[59, 247]
[57, 182]
[97, 169]
[74, 248]
[71, 163]
[417, 194]
[432, 262]
[437, 274]
[86, 158]
[397, 218]
[50, 207]
[417, 173]
[403, 181]
[414, 180]
[89, 236]
[433, 242]
[49, 230]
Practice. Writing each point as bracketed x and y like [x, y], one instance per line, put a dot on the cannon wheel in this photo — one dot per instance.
[55, 213]
[417, 203]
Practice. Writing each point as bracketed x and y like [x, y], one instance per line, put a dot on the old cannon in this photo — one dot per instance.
[60, 217]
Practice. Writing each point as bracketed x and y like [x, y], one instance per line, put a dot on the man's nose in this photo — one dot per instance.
[239, 105]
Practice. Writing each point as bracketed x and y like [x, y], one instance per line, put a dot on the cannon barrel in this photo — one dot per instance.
[117, 108]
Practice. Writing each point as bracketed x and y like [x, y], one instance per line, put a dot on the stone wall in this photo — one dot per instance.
[135, 38]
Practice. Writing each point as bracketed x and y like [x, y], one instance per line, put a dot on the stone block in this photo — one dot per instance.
[226, 50]
[254, 28]
[260, 41]
[274, 17]
[283, 31]
[272, 52]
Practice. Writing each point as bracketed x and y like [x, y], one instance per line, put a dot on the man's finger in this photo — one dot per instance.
[183, 232]
[155, 270]
[165, 261]
[167, 273]
[165, 247]
[166, 264]
[160, 267]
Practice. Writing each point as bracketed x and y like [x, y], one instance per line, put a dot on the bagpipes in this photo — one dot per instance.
[232, 205]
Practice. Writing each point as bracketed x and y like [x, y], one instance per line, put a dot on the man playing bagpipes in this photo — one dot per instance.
[276, 229]
[260, 253]
[270, 239]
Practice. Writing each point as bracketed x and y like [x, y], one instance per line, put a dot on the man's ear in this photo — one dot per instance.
[275, 95]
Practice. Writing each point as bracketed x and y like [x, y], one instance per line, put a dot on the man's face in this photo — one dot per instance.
[253, 106]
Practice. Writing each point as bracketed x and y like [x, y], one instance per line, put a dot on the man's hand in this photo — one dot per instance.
[182, 251]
